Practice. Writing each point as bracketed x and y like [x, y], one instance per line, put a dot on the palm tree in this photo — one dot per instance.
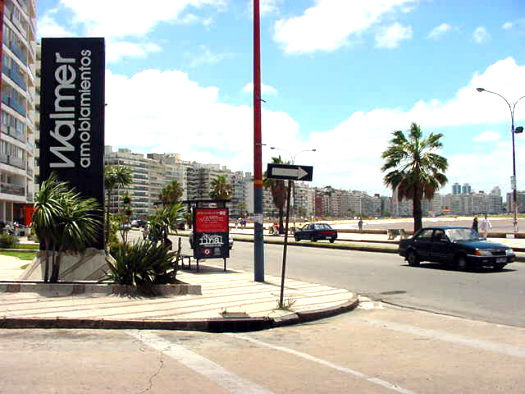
[279, 192]
[171, 193]
[220, 188]
[114, 177]
[64, 222]
[76, 229]
[164, 219]
[47, 212]
[413, 169]
[125, 217]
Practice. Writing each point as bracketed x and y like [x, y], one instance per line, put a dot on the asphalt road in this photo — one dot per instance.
[497, 297]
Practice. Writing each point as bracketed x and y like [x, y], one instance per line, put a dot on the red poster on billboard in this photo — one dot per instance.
[211, 220]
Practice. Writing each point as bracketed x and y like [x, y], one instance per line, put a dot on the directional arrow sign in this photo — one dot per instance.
[290, 172]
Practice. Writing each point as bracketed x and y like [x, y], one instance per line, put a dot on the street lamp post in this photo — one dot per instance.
[513, 131]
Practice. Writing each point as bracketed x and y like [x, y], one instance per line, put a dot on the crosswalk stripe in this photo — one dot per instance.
[361, 375]
[230, 381]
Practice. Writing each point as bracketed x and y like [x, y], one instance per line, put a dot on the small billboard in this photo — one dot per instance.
[211, 233]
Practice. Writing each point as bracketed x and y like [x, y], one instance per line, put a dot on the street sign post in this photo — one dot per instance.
[290, 172]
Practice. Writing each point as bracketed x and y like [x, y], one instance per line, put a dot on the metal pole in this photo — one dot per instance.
[514, 185]
[514, 180]
[283, 273]
[258, 241]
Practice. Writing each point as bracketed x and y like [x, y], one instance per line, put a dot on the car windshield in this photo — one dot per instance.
[463, 234]
[322, 226]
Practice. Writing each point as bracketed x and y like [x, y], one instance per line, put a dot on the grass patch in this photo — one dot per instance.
[20, 255]
[26, 246]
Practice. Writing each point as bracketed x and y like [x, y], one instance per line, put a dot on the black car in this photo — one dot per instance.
[315, 232]
[461, 247]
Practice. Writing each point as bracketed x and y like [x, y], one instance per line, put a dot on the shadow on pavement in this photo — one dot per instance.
[479, 270]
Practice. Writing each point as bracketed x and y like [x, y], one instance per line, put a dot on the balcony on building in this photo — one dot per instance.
[11, 188]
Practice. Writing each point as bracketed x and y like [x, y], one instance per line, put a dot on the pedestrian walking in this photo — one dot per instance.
[360, 224]
[485, 226]
[475, 224]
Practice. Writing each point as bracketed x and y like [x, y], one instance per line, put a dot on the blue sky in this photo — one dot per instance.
[339, 76]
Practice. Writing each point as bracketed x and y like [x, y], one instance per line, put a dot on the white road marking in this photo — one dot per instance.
[230, 381]
[361, 375]
[502, 348]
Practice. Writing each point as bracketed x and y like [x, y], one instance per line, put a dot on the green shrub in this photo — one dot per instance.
[142, 264]
[7, 241]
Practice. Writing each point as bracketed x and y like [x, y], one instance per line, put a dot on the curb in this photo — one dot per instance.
[215, 325]
[66, 289]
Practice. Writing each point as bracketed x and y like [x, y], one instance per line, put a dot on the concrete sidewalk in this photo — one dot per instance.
[230, 301]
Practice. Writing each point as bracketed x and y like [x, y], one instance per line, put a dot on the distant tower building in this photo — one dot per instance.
[466, 189]
[496, 191]
[456, 188]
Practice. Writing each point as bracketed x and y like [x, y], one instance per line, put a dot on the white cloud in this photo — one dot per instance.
[266, 90]
[480, 35]
[204, 55]
[331, 24]
[132, 18]
[268, 7]
[487, 136]
[186, 118]
[116, 50]
[392, 36]
[48, 27]
[438, 31]
[507, 26]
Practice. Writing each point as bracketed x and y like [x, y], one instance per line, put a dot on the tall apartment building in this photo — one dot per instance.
[150, 174]
[521, 202]
[303, 200]
[18, 105]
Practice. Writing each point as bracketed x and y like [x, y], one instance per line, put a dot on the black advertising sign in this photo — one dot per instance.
[290, 172]
[211, 233]
[72, 115]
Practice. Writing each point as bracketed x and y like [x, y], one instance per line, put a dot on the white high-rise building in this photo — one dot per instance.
[18, 107]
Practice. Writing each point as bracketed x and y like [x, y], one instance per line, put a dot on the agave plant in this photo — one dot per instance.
[143, 264]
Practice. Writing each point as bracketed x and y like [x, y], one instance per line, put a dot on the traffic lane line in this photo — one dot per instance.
[214, 372]
[325, 363]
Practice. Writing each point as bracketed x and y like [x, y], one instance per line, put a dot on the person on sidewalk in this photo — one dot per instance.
[360, 224]
[485, 226]
[475, 224]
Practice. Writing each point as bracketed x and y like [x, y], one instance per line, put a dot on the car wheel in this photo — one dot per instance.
[461, 263]
[498, 267]
[413, 259]
[313, 239]
[332, 240]
[296, 238]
